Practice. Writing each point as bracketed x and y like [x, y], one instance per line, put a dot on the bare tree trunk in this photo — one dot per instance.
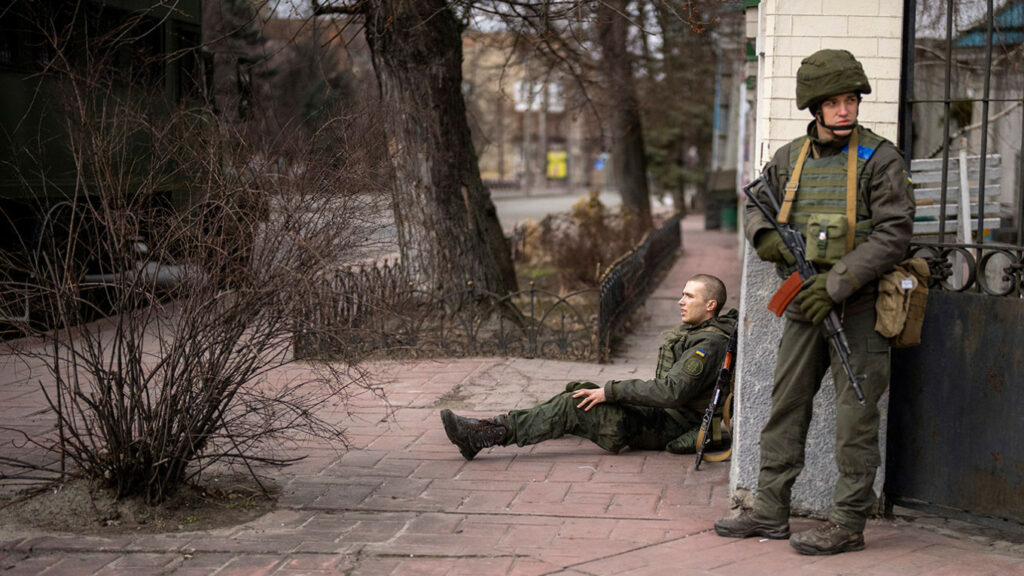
[629, 159]
[448, 229]
[673, 30]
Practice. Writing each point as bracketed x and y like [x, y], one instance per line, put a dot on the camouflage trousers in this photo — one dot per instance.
[610, 426]
[804, 356]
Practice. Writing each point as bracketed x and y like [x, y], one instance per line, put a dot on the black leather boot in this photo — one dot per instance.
[471, 435]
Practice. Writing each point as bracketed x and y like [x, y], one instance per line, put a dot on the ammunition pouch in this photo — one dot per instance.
[826, 238]
[901, 302]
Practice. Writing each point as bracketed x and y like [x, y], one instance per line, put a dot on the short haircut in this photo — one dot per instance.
[714, 289]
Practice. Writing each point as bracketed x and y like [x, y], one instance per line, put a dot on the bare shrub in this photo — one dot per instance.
[195, 242]
[577, 247]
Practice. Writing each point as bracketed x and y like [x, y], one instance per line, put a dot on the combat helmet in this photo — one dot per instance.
[827, 73]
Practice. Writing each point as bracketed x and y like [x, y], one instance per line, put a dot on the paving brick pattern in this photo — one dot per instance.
[402, 501]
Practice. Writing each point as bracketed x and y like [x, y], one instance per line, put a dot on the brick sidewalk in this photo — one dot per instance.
[402, 500]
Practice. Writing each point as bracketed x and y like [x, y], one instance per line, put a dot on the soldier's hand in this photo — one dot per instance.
[814, 300]
[771, 248]
[591, 397]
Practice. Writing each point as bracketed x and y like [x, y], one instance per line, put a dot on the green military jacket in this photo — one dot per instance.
[688, 364]
[885, 188]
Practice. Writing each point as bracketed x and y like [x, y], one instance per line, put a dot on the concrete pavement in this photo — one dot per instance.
[402, 501]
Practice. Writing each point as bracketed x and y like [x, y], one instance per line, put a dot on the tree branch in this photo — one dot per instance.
[353, 9]
[975, 126]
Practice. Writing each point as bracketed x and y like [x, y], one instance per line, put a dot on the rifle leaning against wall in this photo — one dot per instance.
[804, 270]
[724, 379]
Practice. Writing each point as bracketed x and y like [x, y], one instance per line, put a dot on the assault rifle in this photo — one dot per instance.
[795, 243]
[724, 378]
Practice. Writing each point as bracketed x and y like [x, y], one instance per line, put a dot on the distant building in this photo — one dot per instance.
[531, 127]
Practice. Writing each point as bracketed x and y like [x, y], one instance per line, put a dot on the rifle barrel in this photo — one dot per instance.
[837, 336]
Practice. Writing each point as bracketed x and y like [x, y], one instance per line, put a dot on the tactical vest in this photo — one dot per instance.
[667, 357]
[819, 210]
[677, 342]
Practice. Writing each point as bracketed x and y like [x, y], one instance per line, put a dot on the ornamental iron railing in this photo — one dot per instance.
[962, 110]
[993, 269]
[962, 94]
[628, 282]
[408, 322]
[376, 311]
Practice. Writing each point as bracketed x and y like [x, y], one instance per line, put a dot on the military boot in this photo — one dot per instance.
[829, 538]
[471, 435]
[749, 523]
[685, 444]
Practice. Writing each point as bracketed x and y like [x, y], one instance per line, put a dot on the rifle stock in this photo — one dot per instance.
[785, 294]
[795, 243]
[724, 378]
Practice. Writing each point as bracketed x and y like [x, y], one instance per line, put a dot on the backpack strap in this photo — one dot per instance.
[851, 189]
[793, 183]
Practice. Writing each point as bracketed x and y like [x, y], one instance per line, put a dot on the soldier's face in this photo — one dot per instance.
[836, 111]
[694, 307]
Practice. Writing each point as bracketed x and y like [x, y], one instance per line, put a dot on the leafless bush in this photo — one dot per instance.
[580, 245]
[195, 242]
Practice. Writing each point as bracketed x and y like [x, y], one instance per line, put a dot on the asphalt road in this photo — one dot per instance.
[517, 206]
[513, 207]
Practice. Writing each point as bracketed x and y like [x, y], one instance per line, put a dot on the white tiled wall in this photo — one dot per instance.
[790, 30]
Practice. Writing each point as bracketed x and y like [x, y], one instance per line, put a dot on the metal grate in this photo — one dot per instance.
[962, 91]
[625, 285]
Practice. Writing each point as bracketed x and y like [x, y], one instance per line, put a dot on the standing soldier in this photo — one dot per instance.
[847, 190]
[659, 414]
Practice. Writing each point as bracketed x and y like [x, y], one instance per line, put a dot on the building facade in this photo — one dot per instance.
[531, 128]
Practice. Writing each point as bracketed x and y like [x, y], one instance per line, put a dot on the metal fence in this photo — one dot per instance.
[962, 91]
[407, 322]
[375, 310]
[625, 285]
[962, 95]
[992, 269]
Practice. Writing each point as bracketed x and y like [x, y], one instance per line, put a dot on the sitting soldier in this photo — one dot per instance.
[660, 414]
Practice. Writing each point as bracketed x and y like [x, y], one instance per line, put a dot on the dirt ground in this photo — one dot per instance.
[79, 506]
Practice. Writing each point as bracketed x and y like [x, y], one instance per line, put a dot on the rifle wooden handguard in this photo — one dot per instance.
[785, 294]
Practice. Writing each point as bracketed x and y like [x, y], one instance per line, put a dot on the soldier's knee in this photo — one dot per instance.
[577, 385]
[858, 464]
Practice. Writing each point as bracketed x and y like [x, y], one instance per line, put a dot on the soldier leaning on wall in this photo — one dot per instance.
[816, 167]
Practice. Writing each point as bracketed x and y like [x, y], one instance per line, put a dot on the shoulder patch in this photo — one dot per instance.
[863, 152]
[700, 352]
[694, 366]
